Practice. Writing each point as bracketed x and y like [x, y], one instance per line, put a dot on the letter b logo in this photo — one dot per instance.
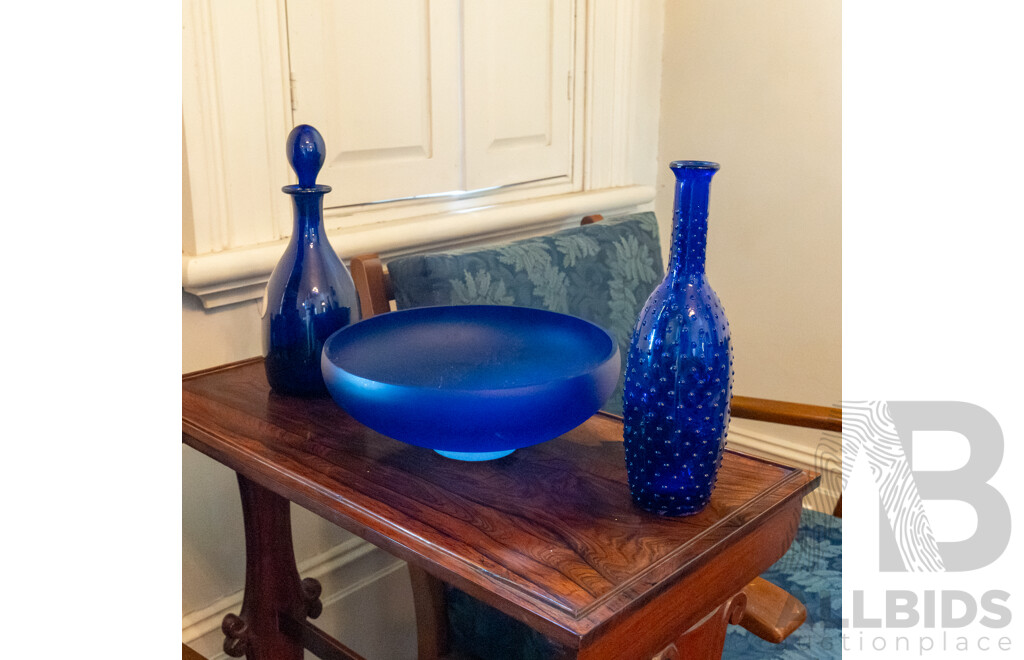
[883, 431]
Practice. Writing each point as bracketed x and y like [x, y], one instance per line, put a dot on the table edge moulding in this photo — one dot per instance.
[586, 579]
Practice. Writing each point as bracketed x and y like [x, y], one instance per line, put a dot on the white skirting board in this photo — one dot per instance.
[808, 449]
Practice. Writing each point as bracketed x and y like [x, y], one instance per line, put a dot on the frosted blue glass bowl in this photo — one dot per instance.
[472, 382]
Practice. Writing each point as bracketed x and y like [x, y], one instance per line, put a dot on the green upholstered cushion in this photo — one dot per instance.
[601, 272]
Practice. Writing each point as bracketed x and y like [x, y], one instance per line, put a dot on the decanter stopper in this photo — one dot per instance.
[306, 152]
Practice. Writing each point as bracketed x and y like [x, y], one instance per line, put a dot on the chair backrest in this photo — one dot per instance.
[599, 271]
[373, 282]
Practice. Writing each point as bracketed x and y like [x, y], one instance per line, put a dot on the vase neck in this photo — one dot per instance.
[308, 211]
[690, 217]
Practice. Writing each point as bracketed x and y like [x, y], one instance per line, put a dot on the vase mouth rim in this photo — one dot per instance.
[693, 165]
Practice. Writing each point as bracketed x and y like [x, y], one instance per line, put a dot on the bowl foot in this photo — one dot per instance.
[475, 455]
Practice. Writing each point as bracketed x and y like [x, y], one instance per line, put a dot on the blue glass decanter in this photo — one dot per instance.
[679, 369]
[310, 293]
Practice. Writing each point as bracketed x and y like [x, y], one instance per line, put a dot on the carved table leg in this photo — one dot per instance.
[431, 616]
[272, 586]
[707, 638]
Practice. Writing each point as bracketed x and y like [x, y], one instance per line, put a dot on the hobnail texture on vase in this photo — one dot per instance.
[678, 381]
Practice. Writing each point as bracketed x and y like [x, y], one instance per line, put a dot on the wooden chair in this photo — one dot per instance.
[771, 612]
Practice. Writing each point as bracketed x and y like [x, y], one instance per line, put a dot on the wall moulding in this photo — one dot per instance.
[818, 451]
[240, 274]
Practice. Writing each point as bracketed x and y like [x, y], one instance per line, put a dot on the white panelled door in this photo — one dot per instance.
[428, 97]
[518, 60]
[380, 81]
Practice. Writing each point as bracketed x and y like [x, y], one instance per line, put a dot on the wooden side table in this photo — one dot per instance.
[547, 535]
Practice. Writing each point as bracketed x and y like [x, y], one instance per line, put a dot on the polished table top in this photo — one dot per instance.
[549, 534]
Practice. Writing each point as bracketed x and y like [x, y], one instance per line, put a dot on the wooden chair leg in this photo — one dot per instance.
[431, 614]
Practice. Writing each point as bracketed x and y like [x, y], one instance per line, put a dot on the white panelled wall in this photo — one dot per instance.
[570, 107]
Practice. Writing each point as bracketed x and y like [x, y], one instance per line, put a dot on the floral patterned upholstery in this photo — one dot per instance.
[601, 272]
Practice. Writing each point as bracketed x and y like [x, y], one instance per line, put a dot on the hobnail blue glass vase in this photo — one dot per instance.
[310, 294]
[679, 368]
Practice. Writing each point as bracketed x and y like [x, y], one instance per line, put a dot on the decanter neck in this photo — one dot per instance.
[690, 217]
[308, 212]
